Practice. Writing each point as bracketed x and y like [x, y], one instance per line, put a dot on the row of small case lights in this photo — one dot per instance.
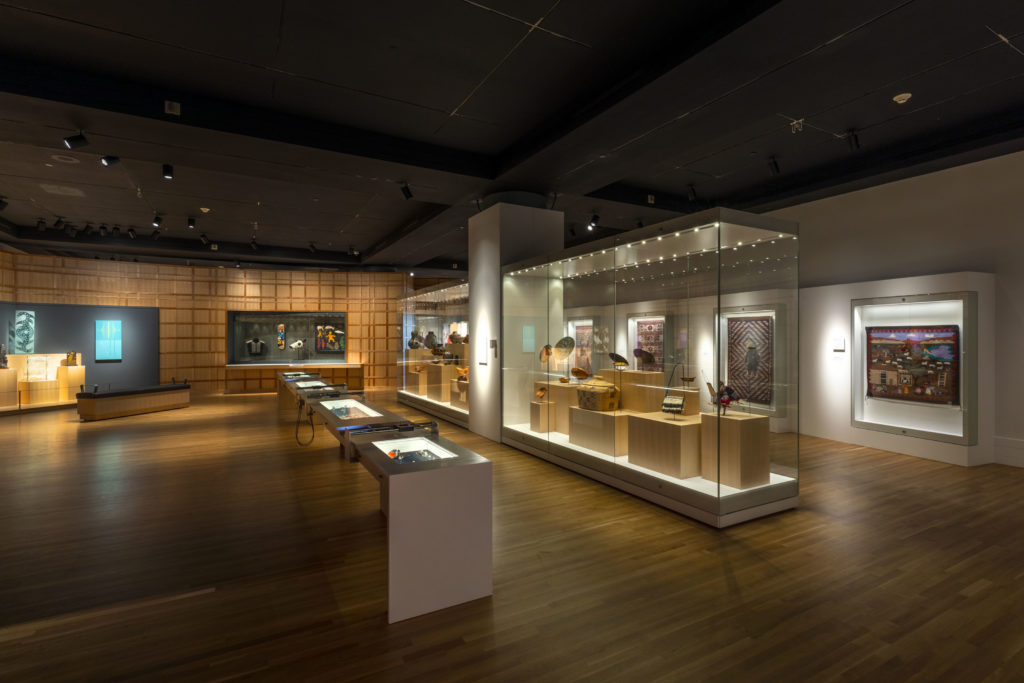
[461, 295]
[661, 259]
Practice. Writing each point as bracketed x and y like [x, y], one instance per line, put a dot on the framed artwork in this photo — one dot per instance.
[650, 337]
[24, 332]
[750, 364]
[108, 341]
[529, 338]
[330, 336]
[920, 364]
[584, 337]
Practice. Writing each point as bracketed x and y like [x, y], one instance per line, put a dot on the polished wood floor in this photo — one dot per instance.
[205, 544]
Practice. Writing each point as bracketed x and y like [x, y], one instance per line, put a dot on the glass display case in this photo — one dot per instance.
[663, 361]
[277, 337]
[433, 364]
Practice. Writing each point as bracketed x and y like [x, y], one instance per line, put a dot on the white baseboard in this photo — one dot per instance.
[1008, 451]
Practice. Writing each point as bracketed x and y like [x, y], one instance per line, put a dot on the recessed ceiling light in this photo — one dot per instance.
[902, 98]
[64, 158]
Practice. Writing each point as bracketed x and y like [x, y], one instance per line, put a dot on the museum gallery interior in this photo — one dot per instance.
[544, 341]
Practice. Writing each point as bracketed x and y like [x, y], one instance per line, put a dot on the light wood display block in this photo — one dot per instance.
[439, 379]
[743, 456]
[460, 394]
[540, 416]
[562, 397]
[70, 379]
[602, 431]
[419, 355]
[642, 390]
[416, 382]
[668, 444]
[459, 350]
[103, 408]
[40, 391]
[8, 388]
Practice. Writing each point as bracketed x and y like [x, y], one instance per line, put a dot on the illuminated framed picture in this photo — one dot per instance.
[108, 341]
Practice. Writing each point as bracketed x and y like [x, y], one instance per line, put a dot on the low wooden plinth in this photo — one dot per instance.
[642, 390]
[460, 394]
[70, 379]
[562, 396]
[540, 416]
[415, 382]
[668, 444]
[39, 391]
[742, 456]
[439, 379]
[104, 408]
[602, 431]
[8, 388]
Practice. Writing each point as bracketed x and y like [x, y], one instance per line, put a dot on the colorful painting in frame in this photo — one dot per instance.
[330, 336]
[650, 336]
[750, 368]
[918, 363]
[108, 341]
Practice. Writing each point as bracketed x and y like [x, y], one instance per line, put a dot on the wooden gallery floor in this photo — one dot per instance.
[204, 544]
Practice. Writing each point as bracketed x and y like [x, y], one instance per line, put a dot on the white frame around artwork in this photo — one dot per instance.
[631, 334]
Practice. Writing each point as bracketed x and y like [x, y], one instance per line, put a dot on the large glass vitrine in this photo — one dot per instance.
[663, 361]
[433, 364]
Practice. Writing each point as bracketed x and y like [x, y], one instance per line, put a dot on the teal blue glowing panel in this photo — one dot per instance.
[108, 340]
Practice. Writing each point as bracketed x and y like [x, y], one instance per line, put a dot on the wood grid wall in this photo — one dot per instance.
[194, 301]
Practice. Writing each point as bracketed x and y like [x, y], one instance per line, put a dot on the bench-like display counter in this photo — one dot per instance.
[103, 405]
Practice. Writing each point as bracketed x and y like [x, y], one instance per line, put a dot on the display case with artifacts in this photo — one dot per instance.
[433, 361]
[664, 363]
[285, 337]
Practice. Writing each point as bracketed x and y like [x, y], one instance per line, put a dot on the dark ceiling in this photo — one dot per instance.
[300, 122]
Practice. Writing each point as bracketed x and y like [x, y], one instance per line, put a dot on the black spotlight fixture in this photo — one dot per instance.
[70, 231]
[157, 220]
[691, 192]
[109, 160]
[3, 203]
[204, 239]
[168, 172]
[773, 165]
[191, 223]
[131, 233]
[103, 230]
[40, 225]
[406, 192]
[115, 231]
[253, 245]
[155, 234]
[312, 248]
[75, 141]
[58, 224]
[89, 229]
[238, 264]
[593, 222]
[852, 140]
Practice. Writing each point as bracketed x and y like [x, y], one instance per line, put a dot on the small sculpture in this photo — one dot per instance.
[431, 340]
[72, 359]
[545, 353]
[725, 396]
[618, 361]
[454, 338]
[541, 393]
[580, 373]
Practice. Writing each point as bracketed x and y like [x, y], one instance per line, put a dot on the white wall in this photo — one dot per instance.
[968, 218]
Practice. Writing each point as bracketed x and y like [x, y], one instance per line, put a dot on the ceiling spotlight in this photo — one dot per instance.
[3, 203]
[902, 98]
[204, 239]
[155, 234]
[109, 160]
[89, 229]
[773, 165]
[253, 245]
[103, 230]
[75, 141]
[191, 223]
[131, 233]
[691, 192]
[40, 225]
[168, 172]
[58, 224]
[312, 248]
[238, 264]
[115, 232]
[852, 140]
[406, 192]
[69, 230]
[412, 274]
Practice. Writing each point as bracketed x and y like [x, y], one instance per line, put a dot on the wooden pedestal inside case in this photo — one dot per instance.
[666, 444]
[743, 457]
